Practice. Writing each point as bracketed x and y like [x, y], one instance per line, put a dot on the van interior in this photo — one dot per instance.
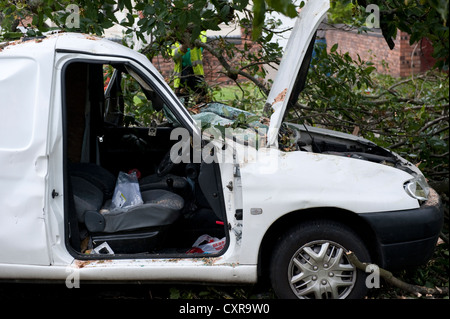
[117, 123]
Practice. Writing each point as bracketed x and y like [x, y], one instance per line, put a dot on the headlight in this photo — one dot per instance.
[418, 188]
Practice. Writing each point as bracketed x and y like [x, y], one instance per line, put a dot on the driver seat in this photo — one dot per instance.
[140, 228]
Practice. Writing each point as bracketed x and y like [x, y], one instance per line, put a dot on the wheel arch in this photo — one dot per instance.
[289, 220]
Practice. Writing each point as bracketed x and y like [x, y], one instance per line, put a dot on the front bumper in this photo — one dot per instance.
[408, 237]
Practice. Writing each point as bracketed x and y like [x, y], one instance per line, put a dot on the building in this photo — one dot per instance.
[404, 60]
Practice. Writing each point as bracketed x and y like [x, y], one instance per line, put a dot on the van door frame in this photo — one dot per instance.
[176, 108]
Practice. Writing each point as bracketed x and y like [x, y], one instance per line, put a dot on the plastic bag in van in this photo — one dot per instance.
[126, 193]
[208, 245]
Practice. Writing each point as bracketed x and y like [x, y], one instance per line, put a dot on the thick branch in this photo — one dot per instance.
[417, 291]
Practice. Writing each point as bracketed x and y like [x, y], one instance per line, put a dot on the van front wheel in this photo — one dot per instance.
[310, 262]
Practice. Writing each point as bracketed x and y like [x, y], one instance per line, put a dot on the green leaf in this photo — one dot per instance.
[283, 6]
[128, 5]
[334, 48]
[174, 293]
[251, 119]
[225, 11]
[259, 11]
[369, 70]
[196, 32]
[183, 21]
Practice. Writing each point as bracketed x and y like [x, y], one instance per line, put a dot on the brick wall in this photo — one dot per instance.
[403, 60]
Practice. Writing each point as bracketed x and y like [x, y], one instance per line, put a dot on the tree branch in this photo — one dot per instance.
[258, 63]
[231, 72]
[416, 290]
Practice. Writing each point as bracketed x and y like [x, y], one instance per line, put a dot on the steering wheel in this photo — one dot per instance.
[168, 162]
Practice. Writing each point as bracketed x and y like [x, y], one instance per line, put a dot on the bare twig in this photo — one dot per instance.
[258, 63]
[232, 72]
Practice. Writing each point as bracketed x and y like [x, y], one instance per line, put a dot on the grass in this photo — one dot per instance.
[246, 97]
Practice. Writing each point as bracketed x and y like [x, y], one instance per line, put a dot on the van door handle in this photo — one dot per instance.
[54, 193]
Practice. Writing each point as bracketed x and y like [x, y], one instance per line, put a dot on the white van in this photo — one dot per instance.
[239, 213]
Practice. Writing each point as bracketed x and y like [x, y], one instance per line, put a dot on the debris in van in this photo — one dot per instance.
[103, 249]
[207, 245]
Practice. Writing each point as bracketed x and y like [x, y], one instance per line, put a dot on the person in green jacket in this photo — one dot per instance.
[189, 74]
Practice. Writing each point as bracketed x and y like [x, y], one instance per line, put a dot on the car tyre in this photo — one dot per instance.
[310, 262]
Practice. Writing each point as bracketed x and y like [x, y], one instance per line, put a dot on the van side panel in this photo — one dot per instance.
[24, 103]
